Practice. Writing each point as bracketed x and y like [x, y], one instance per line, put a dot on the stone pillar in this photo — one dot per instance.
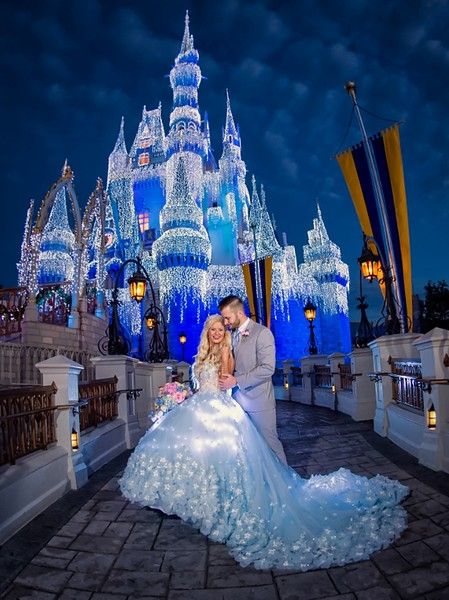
[396, 346]
[307, 375]
[144, 402]
[362, 387]
[65, 373]
[432, 347]
[287, 379]
[123, 367]
[183, 369]
[161, 373]
[335, 359]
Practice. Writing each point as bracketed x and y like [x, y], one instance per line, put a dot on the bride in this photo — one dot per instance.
[206, 462]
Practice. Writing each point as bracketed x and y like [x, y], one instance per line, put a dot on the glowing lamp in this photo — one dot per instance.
[310, 311]
[431, 417]
[150, 320]
[370, 264]
[74, 439]
[182, 338]
[137, 286]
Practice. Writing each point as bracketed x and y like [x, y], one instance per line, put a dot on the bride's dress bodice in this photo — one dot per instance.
[207, 377]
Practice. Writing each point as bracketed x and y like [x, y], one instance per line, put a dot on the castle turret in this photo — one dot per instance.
[148, 155]
[185, 135]
[183, 255]
[322, 261]
[57, 243]
[120, 198]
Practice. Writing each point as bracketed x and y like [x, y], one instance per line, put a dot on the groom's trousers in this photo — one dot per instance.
[265, 421]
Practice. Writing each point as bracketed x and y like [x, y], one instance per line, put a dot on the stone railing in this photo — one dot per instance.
[27, 421]
[98, 402]
[17, 362]
[407, 378]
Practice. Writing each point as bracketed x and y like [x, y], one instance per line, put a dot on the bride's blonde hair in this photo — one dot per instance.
[208, 353]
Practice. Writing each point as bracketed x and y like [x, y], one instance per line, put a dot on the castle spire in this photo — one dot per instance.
[120, 144]
[187, 40]
[230, 130]
[118, 159]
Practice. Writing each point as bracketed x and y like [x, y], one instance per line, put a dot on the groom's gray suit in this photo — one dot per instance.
[255, 361]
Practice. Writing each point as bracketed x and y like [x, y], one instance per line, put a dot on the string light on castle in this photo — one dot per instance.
[188, 217]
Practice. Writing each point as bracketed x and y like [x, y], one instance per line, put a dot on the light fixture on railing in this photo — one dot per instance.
[75, 439]
[431, 417]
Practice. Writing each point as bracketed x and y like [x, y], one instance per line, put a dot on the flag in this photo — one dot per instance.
[265, 268]
[394, 243]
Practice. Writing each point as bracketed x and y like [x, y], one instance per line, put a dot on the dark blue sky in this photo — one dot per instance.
[70, 70]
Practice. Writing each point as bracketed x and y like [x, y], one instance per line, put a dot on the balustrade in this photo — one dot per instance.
[297, 376]
[27, 421]
[98, 402]
[407, 389]
[345, 376]
[322, 376]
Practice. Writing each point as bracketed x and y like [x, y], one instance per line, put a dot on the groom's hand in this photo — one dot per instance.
[227, 382]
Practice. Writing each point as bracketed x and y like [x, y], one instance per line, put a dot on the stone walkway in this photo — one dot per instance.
[94, 545]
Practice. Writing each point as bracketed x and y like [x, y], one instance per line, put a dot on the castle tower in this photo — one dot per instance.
[234, 192]
[57, 244]
[147, 156]
[123, 231]
[24, 265]
[322, 261]
[182, 254]
[185, 136]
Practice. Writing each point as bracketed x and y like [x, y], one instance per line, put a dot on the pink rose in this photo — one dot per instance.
[179, 397]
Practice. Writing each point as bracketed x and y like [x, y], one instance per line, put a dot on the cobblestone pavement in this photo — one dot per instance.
[93, 544]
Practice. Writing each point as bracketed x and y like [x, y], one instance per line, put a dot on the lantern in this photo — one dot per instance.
[137, 286]
[310, 311]
[150, 320]
[431, 417]
[74, 439]
[182, 338]
[370, 264]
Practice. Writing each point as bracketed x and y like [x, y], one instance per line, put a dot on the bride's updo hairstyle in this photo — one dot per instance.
[207, 353]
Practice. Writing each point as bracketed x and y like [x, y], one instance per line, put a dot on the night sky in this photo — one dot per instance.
[70, 70]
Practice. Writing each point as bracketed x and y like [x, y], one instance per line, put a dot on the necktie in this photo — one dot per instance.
[235, 339]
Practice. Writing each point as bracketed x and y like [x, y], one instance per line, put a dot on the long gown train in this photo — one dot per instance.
[206, 462]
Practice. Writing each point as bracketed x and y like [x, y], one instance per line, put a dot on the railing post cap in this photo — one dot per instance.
[59, 363]
[437, 334]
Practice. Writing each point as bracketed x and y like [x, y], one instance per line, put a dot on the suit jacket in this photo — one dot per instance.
[255, 361]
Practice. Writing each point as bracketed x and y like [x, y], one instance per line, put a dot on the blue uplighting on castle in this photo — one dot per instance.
[188, 216]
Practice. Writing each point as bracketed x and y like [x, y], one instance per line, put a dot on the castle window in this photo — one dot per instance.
[144, 143]
[144, 159]
[180, 126]
[144, 221]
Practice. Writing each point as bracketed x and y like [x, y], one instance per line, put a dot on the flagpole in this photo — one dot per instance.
[390, 278]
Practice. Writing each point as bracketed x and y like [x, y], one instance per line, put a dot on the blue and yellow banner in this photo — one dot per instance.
[354, 164]
[265, 266]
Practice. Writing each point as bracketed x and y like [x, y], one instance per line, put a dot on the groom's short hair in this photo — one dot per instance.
[232, 301]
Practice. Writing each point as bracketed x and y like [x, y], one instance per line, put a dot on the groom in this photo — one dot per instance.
[254, 352]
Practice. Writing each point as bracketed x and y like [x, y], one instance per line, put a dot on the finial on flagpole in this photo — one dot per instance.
[351, 88]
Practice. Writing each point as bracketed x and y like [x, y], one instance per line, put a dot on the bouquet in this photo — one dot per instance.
[170, 395]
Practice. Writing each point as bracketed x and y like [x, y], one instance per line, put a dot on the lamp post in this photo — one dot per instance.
[182, 341]
[154, 316]
[310, 315]
[373, 266]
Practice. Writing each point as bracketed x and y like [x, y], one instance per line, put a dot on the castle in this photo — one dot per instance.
[193, 222]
